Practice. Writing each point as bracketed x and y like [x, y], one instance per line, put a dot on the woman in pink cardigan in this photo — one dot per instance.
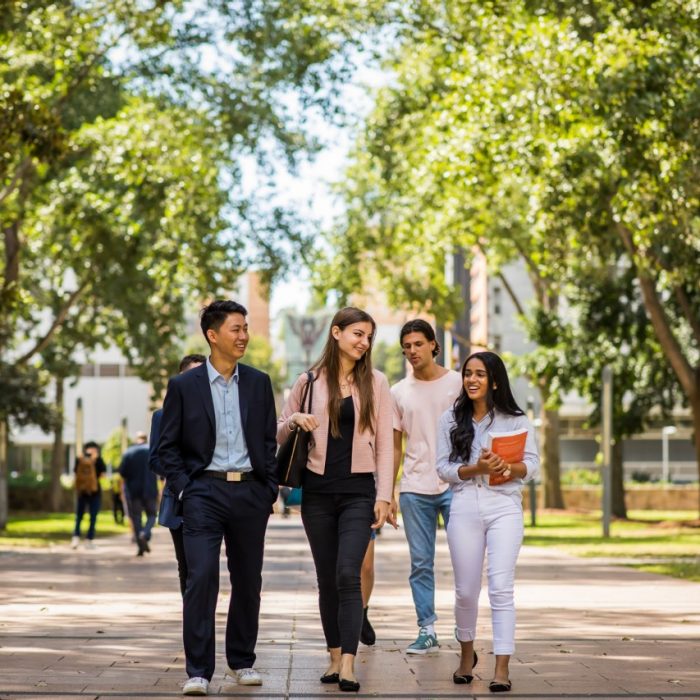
[348, 482]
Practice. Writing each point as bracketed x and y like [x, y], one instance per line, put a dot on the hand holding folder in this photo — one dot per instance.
[510, 447]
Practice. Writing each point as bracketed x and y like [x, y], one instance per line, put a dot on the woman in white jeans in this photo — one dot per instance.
[483, 518]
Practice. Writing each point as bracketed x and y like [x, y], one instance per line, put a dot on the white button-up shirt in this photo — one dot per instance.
[501, 422]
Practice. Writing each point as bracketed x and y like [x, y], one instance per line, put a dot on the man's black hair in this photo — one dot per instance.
[418, 325]
[188, 360]
[214, 314]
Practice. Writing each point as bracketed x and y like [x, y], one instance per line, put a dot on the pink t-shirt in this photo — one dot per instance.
[418, 406]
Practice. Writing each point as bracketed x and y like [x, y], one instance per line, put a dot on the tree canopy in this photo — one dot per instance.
[125, 127]
[563, 135]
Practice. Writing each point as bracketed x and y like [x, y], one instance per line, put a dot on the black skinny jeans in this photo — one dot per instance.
[338, 528]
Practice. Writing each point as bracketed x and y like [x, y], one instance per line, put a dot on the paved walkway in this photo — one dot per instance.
[107, 624]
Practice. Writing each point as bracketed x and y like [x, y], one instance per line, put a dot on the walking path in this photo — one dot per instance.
[104, 623]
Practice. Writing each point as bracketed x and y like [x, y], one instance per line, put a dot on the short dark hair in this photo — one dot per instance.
[214, 314]
[188, 360]
[418, 325]
[89, 444]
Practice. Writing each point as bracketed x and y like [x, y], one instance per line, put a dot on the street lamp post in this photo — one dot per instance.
[607, 437]
[125, 435]
[79, 417]
[665, 432]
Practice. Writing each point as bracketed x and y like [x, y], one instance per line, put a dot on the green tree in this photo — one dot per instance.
[259, 355]
[563, 135]
[112, 448]
[124, 126]
[387, 358]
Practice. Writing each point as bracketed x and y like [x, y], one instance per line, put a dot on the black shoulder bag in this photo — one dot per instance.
[293, 453]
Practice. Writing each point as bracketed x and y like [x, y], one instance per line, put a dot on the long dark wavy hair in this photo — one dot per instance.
[362, 373]
[499, 399]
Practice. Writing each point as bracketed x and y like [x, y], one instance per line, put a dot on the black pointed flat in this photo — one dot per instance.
[329, 678]
[498, 687]
[348, 686]
[465, 678]
[462, 679]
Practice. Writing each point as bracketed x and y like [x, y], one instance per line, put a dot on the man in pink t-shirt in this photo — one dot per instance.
[418, 402]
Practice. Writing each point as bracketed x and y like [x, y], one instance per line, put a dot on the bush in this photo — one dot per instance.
[30, 480]
[581, 477]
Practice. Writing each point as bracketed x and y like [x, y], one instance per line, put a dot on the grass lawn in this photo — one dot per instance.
[659, 541]
[41, 530]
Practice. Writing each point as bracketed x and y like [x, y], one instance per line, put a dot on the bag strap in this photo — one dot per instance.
[308, 392]
[310, 383]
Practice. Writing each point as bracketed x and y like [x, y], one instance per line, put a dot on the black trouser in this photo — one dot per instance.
[338, 528]
[117, 508]
[178, 543]
[137, 507]
[237, 511]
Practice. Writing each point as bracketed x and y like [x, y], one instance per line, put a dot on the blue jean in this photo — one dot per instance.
[420, 517]
[92, 503]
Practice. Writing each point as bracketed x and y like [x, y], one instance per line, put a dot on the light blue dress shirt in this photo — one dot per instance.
[230, 452]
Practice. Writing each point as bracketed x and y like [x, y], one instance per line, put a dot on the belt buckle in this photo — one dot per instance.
[233, 476]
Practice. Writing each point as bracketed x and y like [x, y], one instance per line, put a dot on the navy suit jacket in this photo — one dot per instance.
[167, 516]
[187, 427]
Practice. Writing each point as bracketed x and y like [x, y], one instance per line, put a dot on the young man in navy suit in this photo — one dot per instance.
[217, 449]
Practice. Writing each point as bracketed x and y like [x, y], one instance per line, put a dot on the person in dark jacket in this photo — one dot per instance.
[217, 447]
[142, 487]
[166, 513]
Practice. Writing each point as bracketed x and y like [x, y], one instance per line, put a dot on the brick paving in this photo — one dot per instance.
[104, 623]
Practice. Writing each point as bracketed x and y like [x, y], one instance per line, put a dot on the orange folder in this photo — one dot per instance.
[510, 447]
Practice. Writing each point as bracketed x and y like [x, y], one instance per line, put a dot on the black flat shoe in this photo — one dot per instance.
[498, 687]
[465, 679]
[348, 686]
[329, 678]
[459, 679]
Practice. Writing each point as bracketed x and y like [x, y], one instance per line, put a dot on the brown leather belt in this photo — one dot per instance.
[229, 476]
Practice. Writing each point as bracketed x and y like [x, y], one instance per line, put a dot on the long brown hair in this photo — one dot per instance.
[362, 372]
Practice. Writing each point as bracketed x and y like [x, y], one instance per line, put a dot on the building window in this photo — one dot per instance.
[110, 370]
[497, 341]
[497, 301]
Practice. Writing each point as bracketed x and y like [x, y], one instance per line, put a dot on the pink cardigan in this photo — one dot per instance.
[370, 453]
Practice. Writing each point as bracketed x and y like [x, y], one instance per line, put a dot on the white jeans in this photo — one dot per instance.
[484, 520]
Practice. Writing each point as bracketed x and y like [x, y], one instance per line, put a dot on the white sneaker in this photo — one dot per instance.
[196, 686]
[74, 542]
[245, 676]
[90, 544]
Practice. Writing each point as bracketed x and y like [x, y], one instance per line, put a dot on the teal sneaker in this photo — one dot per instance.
[425, 644]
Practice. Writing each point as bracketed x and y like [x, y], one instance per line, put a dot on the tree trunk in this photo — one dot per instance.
[4, 509]
[58, 450]
[695, 410]
[619, 510]
[551, 463]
